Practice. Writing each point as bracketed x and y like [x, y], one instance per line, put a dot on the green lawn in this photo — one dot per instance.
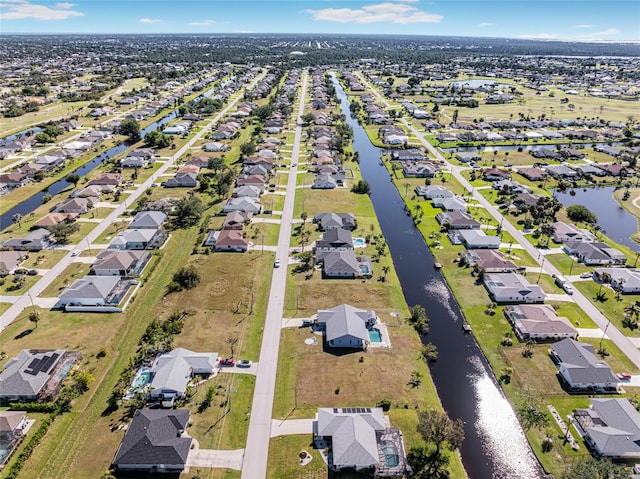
[567, 265]
[611, 305]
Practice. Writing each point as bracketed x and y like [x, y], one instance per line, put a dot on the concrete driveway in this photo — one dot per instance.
[290, 427]
[215, 458]
[253, 369]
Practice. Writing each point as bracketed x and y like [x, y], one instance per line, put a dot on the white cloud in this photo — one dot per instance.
[388, 12]
[23, 9]
[203, 23]
[150, 20]
[486, 24]
[584, 26]
[587, 37]
[540, 36]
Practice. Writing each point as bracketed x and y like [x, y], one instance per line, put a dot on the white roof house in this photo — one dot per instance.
[171, 372]
[148, 220]
[611, 428]
[89, 291]
[352, 434]
[512, 288]
[346, 326]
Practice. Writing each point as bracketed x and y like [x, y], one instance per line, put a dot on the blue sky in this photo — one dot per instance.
[583, 20]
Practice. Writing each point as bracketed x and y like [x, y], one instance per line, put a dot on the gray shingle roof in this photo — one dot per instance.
[581, 363]
[346, 320]
[154, 437]
[28, 372]
[353, 435]
[615, 427]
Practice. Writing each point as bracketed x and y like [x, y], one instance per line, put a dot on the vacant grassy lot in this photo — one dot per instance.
[609, 303]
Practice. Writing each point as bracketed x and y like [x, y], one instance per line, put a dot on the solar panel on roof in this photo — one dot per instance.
[49, 362]
[33, 363]
[368, 409]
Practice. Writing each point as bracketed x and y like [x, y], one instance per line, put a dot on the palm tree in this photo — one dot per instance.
[632, 311]
[17, 218]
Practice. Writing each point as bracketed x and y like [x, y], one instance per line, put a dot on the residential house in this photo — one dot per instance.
[407, 155]
[171, 373]
[625, 280]
[114, 179]
[418, 169]
[12, 427]
[92, 291]
[256, 180]
[466, 157]
[538, 322]
[596, 253]
[12, 180]
[588, 169]
[249, 191]
[215, 146]
[431, 192]
[324, 181]
[495, 174]
[92, 193]
[512, 288]
[245, 203]
[532, 174]
[128, 264]
[475, 239]
[568, 232]
[35, 374]
[344, 264]
[511, 187]
[331, 221]
[614, 169]
[231, 240]
[450, 204]
[456, 220]
[9, 260]
[178, 128]
[74, 205]
[561, 171]
[236, 220]
[580, 369]
[489, 261]
[182, 180]
[358, 437]
[545, 152]
[611, 428]
[146, 220]
[346, 326]
[35, 240]
[334, 240]
[155, 441]
[138, 239]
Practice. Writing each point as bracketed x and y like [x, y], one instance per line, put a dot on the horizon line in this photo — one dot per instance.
[544, 40]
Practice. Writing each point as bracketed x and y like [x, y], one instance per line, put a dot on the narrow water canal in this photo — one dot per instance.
[495, 445]
[30, 204]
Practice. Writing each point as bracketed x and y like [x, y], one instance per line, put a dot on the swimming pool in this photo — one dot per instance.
[359, 243]
[142, 378]
[364, 269]
[375, 336]
[391, 458]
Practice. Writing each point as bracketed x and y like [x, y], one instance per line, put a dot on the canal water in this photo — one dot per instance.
[617, 222]
[495, 446]
[30, 204]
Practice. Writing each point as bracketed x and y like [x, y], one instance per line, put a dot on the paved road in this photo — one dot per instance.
[36, 290]
[255, 461]
[620, 340]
